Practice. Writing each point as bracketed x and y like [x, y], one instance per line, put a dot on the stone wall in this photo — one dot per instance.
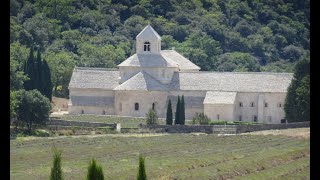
[222, 128]
[79, 123]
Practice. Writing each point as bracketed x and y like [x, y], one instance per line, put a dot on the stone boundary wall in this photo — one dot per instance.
[79, 123]
[222, 128]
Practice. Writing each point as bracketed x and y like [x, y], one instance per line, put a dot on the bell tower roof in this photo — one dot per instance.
[148, 33]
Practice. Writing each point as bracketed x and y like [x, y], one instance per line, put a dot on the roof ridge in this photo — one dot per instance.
[221, 72]
[95, 68]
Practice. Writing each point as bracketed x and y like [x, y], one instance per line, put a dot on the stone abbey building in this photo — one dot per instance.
[152, 76]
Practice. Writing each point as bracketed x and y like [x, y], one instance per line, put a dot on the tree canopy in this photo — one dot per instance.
[216, 35]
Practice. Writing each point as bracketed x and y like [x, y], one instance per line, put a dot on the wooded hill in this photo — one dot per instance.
[217, 35]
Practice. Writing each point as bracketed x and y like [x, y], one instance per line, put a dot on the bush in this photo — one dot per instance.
[94, 171]
[142, 170]
[152, 117]
[56, 170]
[200, 118]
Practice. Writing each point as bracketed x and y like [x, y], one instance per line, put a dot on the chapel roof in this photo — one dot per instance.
[218, 97]
[184, 63]
[100, 78]
[148, 33]
[231, 81]
[142, 81]
[149, 60]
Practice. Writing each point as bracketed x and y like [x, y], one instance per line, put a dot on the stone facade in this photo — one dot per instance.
[152, 76]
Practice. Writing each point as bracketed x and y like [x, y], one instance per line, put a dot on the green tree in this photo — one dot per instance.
[177, 116]
[95, 171]
[28, 69]
[200, 118]
[169, 117]
[142, 170]
[46, 80]
[56, 170]
[32, 108]
[297, 103]
[152, 117]
[182, 111]
[13, 104]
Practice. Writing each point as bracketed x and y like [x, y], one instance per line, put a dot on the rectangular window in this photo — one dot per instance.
[265, 104]
[252, 104]
[279, 105]
[240, 104]
[255, 119]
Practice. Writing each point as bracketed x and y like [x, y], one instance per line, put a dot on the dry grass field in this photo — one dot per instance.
[282, 154]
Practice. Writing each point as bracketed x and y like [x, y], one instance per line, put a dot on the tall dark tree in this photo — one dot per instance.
[169, 117]
[37, 70]
[177, 116]
[46, 80]
[182, 111]
[142, 170]
[29, 71]
[297, 103]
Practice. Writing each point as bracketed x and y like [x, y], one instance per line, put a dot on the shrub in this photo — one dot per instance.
[169, 118]
[56, 170]
[142, 170]
[152, 117]
[94, 171]
[200, 118]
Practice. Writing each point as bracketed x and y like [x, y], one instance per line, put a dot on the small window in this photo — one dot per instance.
[218, 116]
[240, 118]
[283, 121]
[255, 118]
[240, 104]
[252, 104]
[120, 106]
[265, 104]
[136, 106]
[153, 106]
[269, 119]
[103, 112]
[279, 105]
[82, 111]
[146, 46]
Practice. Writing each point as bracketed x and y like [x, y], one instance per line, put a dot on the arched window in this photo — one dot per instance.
[136, 106]
[146, 46]
[82, 111]
[103, 112]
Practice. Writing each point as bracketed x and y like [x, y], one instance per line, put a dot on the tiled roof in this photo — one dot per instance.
[148, 60]
[148, 33]
[142, 81]
[102, 78]
[184, 63]
[217, 97]
[231, 81]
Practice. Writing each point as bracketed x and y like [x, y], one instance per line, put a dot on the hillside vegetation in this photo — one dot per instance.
[216, 35]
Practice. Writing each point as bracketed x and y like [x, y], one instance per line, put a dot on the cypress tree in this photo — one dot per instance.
[94, 171]
[182, 111]
[56, 170]
[177, 117]
[28, 70]
[46, 80]
[37, 73]
[169, 114]
[142, 170]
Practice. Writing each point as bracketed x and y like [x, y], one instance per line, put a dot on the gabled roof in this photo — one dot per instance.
[184, 63]
[148, 33]
[142, 81]
[231, 81]
[217, 97]
[100, 78]
[149, 60]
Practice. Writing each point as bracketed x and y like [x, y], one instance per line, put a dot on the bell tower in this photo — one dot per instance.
[148, 41]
